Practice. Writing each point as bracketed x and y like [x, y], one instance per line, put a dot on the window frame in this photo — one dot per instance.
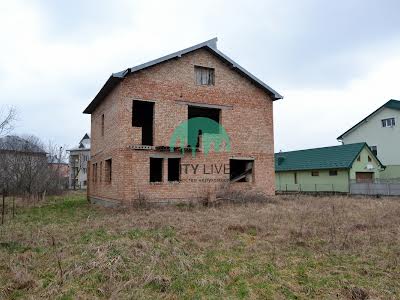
[314, 173]
[207, 76]
[388, 122]
[333, 172]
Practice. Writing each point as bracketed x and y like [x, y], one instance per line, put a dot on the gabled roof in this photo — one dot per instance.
[84, 144]
[85, 137]
[393, 104]
[335, 157]
[210, 45]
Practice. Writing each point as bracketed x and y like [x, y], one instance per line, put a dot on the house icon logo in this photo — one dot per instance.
[200, 132]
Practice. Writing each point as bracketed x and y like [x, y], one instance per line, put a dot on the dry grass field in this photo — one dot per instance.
[292, 247]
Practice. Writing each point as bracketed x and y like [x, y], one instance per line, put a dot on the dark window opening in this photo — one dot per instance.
[369, 158]
[108, 170]
[204, 76]
[374, 150]
[204, 112]
[156, 169]
[101, 171]
[295, 178]
[314, 173]
[359, 158]
[174, 169]
[95, 172]
[241, 170]
[333, 172]
[102, 125]
[143, 116]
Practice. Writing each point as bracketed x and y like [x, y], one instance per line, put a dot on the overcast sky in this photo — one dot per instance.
[333, 61]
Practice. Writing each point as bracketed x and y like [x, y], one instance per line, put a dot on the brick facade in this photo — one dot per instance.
[246, 114]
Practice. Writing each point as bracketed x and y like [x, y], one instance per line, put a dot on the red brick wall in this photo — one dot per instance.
[247, 118]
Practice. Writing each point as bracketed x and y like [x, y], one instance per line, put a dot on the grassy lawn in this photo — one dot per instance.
[293, 247]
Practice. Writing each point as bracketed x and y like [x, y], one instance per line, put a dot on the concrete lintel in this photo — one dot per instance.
[242, 158]
[182, 102]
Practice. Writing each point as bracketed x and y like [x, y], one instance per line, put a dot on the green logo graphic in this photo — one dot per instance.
[190, 131]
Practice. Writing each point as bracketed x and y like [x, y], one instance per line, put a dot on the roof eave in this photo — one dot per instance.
[110, 84]
[311, 169]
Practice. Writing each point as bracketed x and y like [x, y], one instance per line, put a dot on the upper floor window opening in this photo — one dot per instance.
[204, 76]
[389, 122]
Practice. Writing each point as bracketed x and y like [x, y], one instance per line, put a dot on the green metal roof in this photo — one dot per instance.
[393, 104]
[335, 157]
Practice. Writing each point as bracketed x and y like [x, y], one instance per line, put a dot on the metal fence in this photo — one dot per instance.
[378, 188]
[316, 188]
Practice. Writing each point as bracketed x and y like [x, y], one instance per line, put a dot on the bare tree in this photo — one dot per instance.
[8, 117]
[26, 164]
[30, 169]
[58, 174]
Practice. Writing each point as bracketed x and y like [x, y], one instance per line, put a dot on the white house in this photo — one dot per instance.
[78, 160]
[381, 131]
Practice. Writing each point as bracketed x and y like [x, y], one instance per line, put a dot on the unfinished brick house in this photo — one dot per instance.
[135, 114]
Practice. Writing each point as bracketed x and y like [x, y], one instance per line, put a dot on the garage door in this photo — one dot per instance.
[364, 177]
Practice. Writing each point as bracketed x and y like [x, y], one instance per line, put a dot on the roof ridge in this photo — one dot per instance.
[326, 147]
[211, 44]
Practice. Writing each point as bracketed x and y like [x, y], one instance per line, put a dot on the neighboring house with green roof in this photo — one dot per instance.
[326, 169]
[381, 131]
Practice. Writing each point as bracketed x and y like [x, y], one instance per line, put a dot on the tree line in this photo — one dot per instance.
[29, 168]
